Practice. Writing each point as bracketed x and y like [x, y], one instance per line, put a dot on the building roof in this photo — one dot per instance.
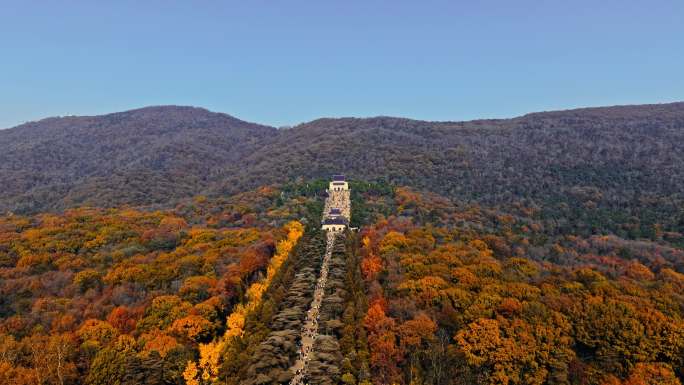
[335, 221]
[339, 183]
[338, 177]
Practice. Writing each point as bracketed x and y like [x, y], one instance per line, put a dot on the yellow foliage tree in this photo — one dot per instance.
[236, 321]
[209, 360]
[190, 374]
[210, 353]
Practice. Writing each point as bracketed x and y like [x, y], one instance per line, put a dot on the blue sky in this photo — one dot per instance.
[285, 62]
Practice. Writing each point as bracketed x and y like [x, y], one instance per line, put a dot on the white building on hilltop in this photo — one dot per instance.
[338, 183]
[337, 208]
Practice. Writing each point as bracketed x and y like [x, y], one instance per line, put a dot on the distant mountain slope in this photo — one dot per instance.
[144, 156]
[603, 169]
[619, 168]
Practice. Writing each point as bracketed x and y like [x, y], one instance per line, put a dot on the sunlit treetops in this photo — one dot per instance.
[118, 292]
[472, 296]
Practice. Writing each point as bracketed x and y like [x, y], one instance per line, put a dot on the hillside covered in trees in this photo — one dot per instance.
[467, 295]
[172, 245]
[99, 296]
[615, 169]
[428, 291]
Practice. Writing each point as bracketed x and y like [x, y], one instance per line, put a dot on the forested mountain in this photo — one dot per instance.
[428, 291]
[466, 295]
[616, 168]
[152, 155]
[173, 245]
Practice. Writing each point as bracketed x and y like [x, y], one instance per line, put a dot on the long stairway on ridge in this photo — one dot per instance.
[336, 216]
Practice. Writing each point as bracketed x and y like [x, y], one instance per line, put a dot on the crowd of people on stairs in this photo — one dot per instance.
[310, 329]
[340, 200]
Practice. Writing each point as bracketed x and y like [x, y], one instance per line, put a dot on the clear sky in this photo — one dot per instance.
[285, 62]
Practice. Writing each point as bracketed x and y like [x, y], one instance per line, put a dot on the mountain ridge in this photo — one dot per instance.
[167, 107]
[620, 160]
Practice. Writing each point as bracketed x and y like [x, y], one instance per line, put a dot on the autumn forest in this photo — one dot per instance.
[460, 264]
[428, 291]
